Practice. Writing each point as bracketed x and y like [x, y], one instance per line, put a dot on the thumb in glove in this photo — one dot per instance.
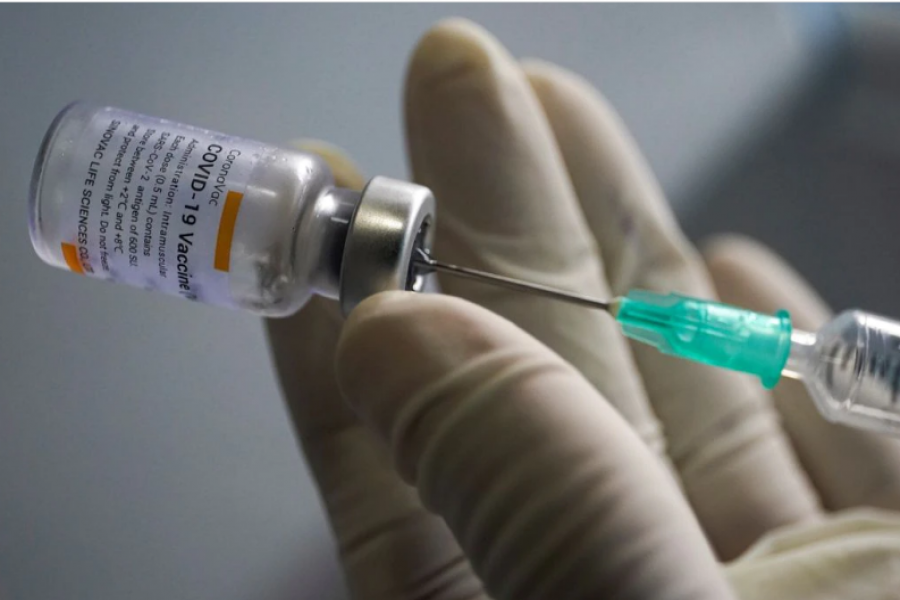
[546, 488]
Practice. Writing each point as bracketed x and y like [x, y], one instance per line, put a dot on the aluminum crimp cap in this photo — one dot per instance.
[393, 219]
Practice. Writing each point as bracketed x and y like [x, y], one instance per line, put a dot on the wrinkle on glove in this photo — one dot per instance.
[547, 489]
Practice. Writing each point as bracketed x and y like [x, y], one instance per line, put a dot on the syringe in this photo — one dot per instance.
[851, 366]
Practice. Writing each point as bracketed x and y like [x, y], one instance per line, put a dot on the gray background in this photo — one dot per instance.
[144, 449]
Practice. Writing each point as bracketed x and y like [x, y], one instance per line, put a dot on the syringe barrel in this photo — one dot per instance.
[852, 371]
[851, 366]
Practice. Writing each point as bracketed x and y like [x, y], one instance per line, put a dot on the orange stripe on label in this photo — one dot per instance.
[226, 231]
[70, 253]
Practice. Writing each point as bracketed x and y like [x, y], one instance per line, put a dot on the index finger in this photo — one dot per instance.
[478, 139]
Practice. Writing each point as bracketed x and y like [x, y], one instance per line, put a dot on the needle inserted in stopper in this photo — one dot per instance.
[428, 264]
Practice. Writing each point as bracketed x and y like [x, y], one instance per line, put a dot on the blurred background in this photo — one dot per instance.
[144, 449]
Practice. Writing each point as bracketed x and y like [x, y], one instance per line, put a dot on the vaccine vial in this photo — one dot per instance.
[124, 197]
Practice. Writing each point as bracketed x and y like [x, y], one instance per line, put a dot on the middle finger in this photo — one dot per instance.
[734, 460]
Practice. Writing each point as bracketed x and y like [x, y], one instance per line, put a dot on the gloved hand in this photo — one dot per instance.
[496, 444]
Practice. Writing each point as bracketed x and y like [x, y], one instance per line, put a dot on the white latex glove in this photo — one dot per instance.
[848, 556]
[521, 448]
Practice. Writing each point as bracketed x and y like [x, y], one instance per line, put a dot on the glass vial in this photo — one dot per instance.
[160, 205]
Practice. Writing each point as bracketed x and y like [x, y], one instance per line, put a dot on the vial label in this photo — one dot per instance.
[157, 204]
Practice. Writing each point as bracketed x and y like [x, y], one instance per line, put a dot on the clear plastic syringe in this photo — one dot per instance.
[851, 366]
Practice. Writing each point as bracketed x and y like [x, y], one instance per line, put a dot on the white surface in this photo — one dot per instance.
[156, 460]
